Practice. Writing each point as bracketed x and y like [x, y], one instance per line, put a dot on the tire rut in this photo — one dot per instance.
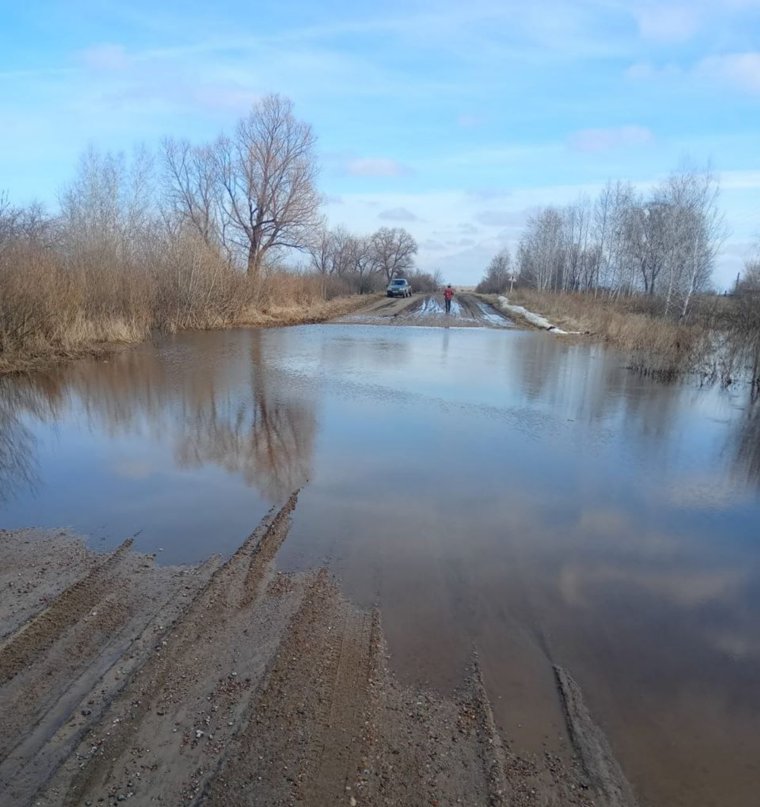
[202, 626]
[111, 650]
[34, 637]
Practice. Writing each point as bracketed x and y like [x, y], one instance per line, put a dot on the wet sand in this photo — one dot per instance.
[233, 683]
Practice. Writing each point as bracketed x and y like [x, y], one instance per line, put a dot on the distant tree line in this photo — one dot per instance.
[364, 263]
[663, 243]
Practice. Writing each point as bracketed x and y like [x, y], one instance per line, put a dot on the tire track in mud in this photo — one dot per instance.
[301, 741]
[33, 638]
[36, 568]
[176, 671]
[109, 649]
[590, 744]
[237, 684]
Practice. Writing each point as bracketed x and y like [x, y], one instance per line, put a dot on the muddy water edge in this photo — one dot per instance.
[494, 494]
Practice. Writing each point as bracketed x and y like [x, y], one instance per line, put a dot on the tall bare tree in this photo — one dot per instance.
[393, 249]
[698, 231]
[267, 171]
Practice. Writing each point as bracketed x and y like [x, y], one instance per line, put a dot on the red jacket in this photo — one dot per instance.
[448, 294]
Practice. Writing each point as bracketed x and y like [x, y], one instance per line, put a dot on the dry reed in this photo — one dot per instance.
[656, 345]
[54, 305]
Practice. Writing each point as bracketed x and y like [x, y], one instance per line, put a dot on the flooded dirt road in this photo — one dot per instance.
[467, 311]
[485, 489]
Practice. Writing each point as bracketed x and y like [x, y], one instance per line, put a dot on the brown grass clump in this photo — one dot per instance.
[657, 345]
[293, 314]
[293, 298]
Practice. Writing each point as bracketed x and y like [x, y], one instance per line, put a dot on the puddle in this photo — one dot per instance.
[486, 487]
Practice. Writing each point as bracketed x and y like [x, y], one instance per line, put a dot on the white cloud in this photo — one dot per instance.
[107, 56]
[660, 22]
[596, 140]
[431, 245]
[376, 167]
[739, 69]
[740, 180]
[502, 218]
[397, 214]
[487, 194]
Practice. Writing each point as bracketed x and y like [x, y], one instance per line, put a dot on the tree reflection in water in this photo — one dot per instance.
[747, 441]
[237, 413]
[17, 466]
[267, 437]
[221, 399]
[18, 445]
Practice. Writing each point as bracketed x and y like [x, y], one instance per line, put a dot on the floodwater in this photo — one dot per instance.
[489, 489]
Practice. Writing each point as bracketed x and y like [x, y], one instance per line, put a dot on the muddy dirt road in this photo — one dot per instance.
[467, 311]
[234, 684]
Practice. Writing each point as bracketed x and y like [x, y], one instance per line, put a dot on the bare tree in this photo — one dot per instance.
[361, 254]
[614, 269]
[541, 253]
[498, 274]
[393, 250]
[193, 190]
[268, 170]
[744, 324]
[698, 231]
[108, 208]
[321, 252]
[749, 282]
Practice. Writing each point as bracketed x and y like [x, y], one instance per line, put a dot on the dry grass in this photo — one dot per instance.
[657, 345]
[295, 314]
[288, 298]
[54, 307]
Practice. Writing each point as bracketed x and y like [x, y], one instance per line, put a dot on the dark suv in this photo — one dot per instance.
[399, 287]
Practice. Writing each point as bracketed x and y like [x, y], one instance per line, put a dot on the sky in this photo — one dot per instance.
[452, 119]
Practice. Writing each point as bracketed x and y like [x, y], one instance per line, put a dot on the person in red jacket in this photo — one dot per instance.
[448, 293]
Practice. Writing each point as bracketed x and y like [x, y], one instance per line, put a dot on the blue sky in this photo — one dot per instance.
[453, 119]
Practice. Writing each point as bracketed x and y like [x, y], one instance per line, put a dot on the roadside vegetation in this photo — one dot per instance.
[635, 270]
[224, 233]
